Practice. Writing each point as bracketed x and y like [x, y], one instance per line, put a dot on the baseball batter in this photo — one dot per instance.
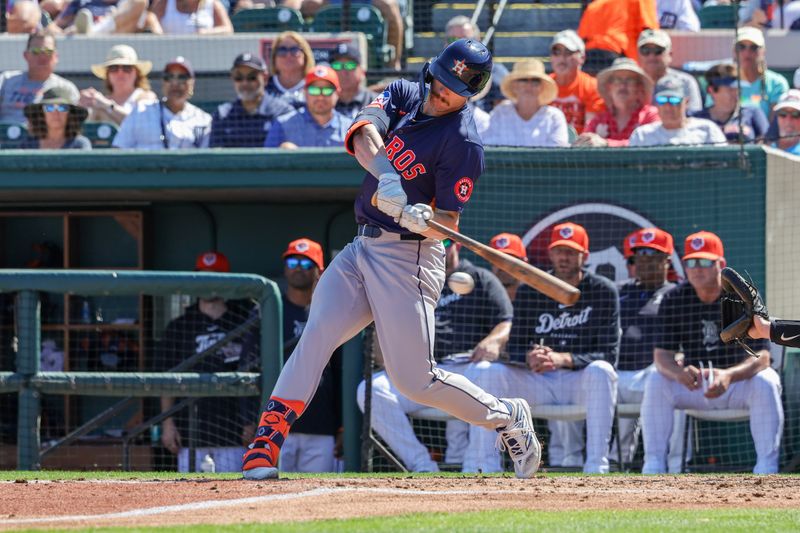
[691, 321]
[420, 148]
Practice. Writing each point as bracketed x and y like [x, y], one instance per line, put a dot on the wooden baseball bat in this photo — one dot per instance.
[547, 284]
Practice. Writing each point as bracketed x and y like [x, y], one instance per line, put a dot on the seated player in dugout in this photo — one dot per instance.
[472, 323]
[691, 322]
[561, 355]
[221, 424]
[393, 271]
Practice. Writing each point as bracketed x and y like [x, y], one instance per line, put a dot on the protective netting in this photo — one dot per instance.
[741, 196]
[155, 381]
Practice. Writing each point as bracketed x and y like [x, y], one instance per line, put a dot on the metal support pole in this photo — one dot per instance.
[352, 370]
[28, 322]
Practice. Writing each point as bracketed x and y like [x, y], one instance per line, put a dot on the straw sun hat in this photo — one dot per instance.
[525, 70]
[121, 54]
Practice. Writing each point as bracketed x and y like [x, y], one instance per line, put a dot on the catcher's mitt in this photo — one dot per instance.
[740, 302]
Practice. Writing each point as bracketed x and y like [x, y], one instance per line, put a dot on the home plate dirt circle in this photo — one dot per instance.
[44, 504]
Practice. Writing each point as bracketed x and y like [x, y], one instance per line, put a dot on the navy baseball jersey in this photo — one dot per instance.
[439, 158]
[641, 323]
[462, 321]
[693, 327]
[589, 330]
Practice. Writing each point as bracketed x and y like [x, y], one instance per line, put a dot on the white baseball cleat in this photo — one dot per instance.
[519, 438]
[260, 472]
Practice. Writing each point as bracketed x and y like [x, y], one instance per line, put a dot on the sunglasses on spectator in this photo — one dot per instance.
[182, 78]
[699, 263]
[447, 243]
[560, 51]
[42, 51]
[618, 80]
[317, 91]
[344, 65]
[651, 50]
[671, 100]
[788, 114]
[741, 47]
[647, 252]
[293, 50]
[239, 78]
[51, 108]
[295, 262]
[124, 68]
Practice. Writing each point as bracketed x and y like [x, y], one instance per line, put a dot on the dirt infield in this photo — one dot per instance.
[28, 504]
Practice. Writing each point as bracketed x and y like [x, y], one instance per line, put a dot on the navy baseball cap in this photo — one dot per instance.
[182, 62]
[249, 60]
[670, 86]
[346, 50]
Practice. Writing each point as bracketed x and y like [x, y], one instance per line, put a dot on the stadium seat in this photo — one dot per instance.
[12, 135]
[719, 16]
[363, 18]
[713, 415]
[101, 134]
[267, 19]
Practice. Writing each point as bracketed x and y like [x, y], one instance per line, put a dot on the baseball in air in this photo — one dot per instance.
[461, 283]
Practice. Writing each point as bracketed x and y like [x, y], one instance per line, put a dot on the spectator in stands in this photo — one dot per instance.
[791, 18]
[52, 7]
[675, 127]
[24, 16]
[310, 446]
[170, 123]
[760, 87]
[655, 56]
[55, 122]
[512, 245]
[125, 79]
[639, 299]
[568, 354]
[691, 324]
[18, 89]
[247, 120]
[723, 89]
[462, 27]
[610, 29]
[316, 124]
[787, 111]
[469, 329]
[290, 61]
[389, 9]
[577, 97]
[627, 92]
[181, 17]
[220, 423]
[346, 61]
[677, 15]
[102, 17]
[527, 119]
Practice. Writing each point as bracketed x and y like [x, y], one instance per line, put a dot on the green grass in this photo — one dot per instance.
[704, 521]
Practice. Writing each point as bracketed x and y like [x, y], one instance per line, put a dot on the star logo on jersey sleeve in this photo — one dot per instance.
[459, 66]
[463, 189]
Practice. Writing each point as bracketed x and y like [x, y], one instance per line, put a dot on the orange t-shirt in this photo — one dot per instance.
[615, 25]
[577, 99]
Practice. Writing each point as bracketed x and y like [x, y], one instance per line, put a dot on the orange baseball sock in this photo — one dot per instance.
[277, 418]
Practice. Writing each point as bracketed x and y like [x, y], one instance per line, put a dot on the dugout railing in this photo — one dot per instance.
[32, 384]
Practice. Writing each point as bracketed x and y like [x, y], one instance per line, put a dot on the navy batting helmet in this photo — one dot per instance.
[464, 67]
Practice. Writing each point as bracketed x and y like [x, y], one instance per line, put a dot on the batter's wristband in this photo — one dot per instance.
[785, 332]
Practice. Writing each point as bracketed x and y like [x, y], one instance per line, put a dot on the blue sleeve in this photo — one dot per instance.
[459, 167]
[604, 343]
[275, 136]
[216, 140]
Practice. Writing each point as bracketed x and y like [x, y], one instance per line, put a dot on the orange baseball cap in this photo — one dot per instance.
[570, 234]
[654, 238]
[306, 248]
[324, 73]
[703, 245]
[630, 238]
[510, 244]
[212, 262]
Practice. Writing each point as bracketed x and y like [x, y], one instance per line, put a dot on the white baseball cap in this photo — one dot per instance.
[569, 40]
[749, 33]
[656, 37]
[789, 100]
